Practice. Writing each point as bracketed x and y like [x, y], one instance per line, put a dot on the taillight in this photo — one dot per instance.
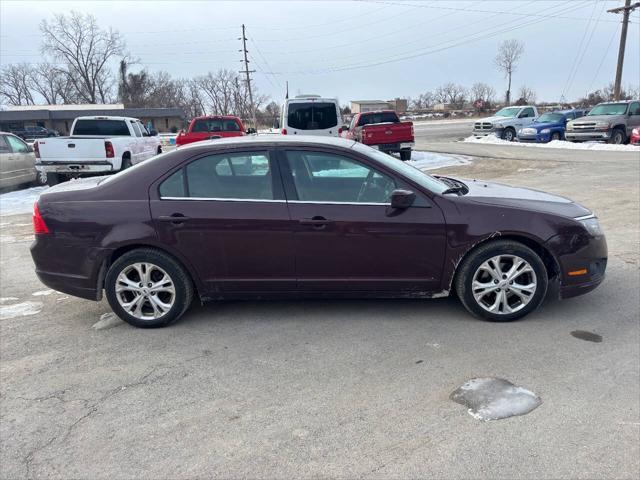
[108, 148]
[340, 131]
[412, 130]
[36, 149]
[39, 227]
[284, 131]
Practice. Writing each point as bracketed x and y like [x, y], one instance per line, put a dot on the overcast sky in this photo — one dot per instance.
[358, 49]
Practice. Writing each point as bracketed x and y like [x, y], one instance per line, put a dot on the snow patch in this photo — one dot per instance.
[20, 310]
[493, 140]
[430, 160]
[107, 320]
[20, 201]
[495, 398]
[41, 293]
[7, 299]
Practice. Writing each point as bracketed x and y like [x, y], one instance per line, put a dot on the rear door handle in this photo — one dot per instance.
[176, 218]
[316, 222]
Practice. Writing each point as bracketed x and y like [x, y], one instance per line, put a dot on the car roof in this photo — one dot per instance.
[206, 117]
[106, 117]
[274, 139]
[388, 110]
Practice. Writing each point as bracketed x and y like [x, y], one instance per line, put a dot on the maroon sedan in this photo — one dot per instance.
[273, 217]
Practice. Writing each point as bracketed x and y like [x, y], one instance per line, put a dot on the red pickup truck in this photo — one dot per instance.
[211, 127]
[384, 130]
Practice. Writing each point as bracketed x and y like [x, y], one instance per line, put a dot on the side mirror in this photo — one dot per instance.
[153, 133]
[402, 199]
[251, 131]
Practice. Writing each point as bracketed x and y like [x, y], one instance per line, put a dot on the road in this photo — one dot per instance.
[442, 130]
[331, 388]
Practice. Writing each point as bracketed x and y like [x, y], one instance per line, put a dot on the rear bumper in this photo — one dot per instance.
[69, 166]
[394, 147]
[587, 136]
[575, 253]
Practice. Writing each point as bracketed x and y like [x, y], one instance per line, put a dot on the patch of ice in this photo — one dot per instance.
[20, 201]
[430, 160]
[107, 320]
[41, 293]
[8, 299]
[493, 140]
[20, 310]
[495, 398]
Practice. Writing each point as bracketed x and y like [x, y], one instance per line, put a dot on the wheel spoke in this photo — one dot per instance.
[142, 297]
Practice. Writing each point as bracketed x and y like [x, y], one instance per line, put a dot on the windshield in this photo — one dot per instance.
[423, 179]
[312, 115]
[550, 117]
[609, 109]
[508, 112]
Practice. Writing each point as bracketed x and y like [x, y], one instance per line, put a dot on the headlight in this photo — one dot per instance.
[498, 125]
[569, 126]
[592, 226]
[603, 126]
[545, 131]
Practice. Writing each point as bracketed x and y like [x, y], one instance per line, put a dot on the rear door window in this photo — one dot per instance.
[4, 146]
[312, 115]
[17, 145]
[109, 128]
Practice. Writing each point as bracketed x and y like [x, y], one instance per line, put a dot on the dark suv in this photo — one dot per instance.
[295, 216]
[35, 132]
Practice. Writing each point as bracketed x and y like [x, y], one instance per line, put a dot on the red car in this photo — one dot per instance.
[383, 130]
[210, 127]
[635, 137]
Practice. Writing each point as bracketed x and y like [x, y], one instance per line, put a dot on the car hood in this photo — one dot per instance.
[599, 118]
[516, 197]
[495, 119]
[543, 125]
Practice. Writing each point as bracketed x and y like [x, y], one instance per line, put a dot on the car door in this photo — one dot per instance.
[347, 238]
[633, 118]
[22, 160]
[226, 214]
[6, 164]
[526, 117]
[137, 144]
[149, 142]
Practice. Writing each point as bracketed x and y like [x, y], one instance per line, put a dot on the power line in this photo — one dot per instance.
[604, 56]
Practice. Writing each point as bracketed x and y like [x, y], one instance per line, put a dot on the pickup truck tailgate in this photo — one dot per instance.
[72, 149]
[387, 133]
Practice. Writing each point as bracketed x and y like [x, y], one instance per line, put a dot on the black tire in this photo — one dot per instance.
[159, 150]
[184, 290]
[53, 179]
[126, 162]
[618, 137]
[464, 278]
[509, 134]
[42, 179]
[405, 155]
[556, 136]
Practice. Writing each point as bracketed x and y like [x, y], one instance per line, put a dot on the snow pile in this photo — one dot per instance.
[493, 140]
[495, 398]
[20, 201]
[431, 160]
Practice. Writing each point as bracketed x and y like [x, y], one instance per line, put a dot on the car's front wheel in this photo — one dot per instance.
[147, 288]
[618, 137]
[556, 136]
[509, 134]
[502, 281]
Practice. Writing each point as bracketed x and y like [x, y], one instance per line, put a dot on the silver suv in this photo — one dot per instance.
[610, 122]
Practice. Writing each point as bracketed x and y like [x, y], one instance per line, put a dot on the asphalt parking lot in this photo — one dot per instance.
[333, 388]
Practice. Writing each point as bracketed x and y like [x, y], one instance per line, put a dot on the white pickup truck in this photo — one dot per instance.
[506, 122]
[96, 145]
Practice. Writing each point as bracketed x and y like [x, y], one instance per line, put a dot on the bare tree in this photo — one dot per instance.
[506, 60]
[15, 84]
[51, 83]
[526, 96]
[482, 95]
[422, 102]
[86, 49]
[452, 94]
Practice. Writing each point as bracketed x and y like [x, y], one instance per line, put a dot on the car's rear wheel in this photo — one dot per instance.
[405, 155]
[147, 288]
[159, 150]
[126, 162]
[41, 179]
[509, 134]
[502, 281]
[617, 136]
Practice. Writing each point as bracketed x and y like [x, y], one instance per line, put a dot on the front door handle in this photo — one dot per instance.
[316, 222]
[176, 218]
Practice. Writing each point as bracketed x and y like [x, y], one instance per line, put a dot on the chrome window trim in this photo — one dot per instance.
[337, 203]
[216, 199]
[585, 217]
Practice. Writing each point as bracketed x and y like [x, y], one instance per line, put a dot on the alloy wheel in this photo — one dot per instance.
[145, 291]
[504, 284]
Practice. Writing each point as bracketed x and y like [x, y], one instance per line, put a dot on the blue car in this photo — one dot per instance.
[548, 126]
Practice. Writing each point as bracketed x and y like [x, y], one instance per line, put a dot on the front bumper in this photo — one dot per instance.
[587, 136]
[485, 133]
[74, 167]
[537, 138]
[577, 252]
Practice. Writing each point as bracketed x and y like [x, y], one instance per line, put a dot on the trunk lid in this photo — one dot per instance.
[72, 148]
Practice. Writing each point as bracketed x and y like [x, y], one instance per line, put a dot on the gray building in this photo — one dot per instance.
[60, 117]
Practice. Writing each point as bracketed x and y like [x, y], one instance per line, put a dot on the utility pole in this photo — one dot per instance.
[247, 72]
[626, 10]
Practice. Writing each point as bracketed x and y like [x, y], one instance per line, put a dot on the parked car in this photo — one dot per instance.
[383, 130]
[211, 127]
[283, 216]
[17, 163]
[35, 132]
[506, 122]
[311, 115]
[96, 145]
[635, 137]
[611, 122]
[548, 126]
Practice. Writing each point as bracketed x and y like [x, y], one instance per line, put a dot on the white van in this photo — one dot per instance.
[311, 115]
